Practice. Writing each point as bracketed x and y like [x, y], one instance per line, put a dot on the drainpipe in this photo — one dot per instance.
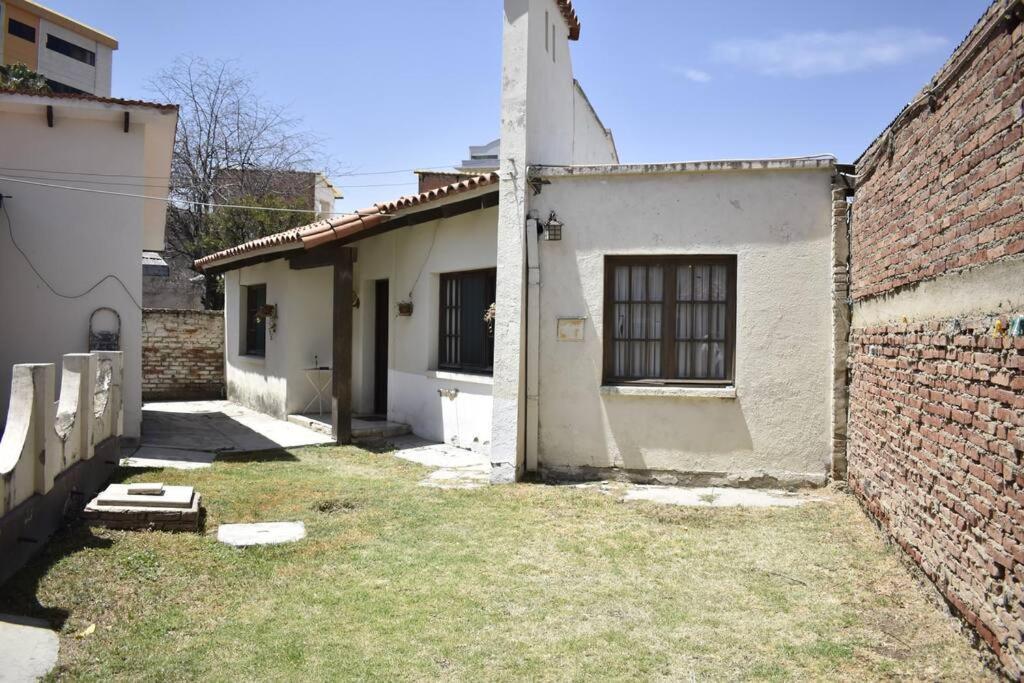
[532, 339]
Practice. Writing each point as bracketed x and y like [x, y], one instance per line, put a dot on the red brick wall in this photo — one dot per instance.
[952, 194]
[182, 355]
[936, 439]
[936, 421]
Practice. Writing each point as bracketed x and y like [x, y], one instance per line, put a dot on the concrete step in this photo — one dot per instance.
[361, 429]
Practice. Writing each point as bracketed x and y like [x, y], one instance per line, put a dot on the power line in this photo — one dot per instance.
[178, 189]
[344, 174]
[169, 199]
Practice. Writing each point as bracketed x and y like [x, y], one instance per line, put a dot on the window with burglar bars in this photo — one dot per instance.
[670, 320]
[466, 340]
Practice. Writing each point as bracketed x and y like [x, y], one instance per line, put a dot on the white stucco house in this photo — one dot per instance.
[669, 322]
[71, 233]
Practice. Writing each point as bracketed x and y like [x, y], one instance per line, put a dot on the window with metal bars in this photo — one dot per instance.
[669, 319]
[465, 339]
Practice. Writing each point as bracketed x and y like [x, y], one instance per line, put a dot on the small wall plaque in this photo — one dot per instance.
[570, 329]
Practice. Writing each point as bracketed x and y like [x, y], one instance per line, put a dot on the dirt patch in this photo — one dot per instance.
[334, 506]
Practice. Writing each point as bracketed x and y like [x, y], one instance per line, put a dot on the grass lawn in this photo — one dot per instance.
[396, 581]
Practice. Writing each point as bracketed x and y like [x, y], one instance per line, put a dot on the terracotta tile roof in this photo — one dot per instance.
[339, 227]
[565, 7]
[92, 98]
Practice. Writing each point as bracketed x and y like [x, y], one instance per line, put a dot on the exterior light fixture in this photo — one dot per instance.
[553, 229]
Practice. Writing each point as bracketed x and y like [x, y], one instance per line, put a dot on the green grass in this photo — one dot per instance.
[401, 582]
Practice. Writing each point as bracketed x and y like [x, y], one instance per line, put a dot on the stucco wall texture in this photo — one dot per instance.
[936, 426]
[411, 259]
[777, 429]
[74, 238]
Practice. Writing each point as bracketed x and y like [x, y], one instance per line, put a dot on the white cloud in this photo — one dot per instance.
[691, 74]
[823, 53]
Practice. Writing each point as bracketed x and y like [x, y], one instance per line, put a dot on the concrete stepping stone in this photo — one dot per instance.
[262, 533]
[28, 648]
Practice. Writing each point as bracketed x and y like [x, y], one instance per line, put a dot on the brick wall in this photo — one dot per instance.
[936, 438]
[944, 190]
[936, 399]
[182, 354]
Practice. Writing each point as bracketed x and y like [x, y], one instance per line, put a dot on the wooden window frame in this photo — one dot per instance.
[247, 312]
[460, 367]
[668, 321]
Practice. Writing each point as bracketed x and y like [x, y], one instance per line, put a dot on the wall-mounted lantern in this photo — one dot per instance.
[553, 229]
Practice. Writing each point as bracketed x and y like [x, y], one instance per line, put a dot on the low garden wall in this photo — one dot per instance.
[55, 455]
[182, 355]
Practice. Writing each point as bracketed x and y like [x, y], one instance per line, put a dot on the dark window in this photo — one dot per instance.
[23, 31]
[70, 49]
[465, 339]
[670, 320]
[255, 322]
[58, 87]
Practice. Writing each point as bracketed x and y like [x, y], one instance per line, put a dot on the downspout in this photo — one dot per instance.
[532, 340]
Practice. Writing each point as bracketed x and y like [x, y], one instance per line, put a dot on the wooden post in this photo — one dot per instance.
[341, 365]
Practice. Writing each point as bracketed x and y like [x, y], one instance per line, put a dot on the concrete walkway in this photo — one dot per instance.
[190, 434]
[456, 468]
[28, 649]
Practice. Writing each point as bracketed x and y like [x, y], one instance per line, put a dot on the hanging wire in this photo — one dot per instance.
[62, 295]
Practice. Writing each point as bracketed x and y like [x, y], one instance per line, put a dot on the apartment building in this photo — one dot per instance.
[73, 57]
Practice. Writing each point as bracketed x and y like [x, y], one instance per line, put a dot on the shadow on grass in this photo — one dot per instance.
[269, 455]
[20, 595]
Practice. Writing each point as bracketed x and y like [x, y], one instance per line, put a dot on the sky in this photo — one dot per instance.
[401, 84]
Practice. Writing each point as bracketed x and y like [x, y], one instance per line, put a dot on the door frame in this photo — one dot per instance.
[381, 335]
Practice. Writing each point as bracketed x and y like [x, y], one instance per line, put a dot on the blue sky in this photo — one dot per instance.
[399, 84]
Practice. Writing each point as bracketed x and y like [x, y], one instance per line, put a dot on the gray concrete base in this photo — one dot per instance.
[756, 479]
[28, 649]
[362, 430]
[456, 468]
[263, 533]
[25, 530]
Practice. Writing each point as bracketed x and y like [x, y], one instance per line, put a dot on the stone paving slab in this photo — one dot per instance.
[28, 648]
[457, 468]
[261, 533]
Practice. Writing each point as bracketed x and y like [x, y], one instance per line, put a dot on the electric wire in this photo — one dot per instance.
[108, 276]
[340, 174]
[174, 199]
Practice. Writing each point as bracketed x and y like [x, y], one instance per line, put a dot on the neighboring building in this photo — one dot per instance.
[75, 252]
[170, 282]
[302, 189]
[73, 57]
[669, 322]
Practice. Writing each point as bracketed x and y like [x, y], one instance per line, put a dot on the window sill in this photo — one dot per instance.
[668, 391]
[467, 377]
[252, 359]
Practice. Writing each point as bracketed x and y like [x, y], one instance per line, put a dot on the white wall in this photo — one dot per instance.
[74, 239]
[544, 120]
[275, 383]
[778, 225]
[592, 143]
[411, 259]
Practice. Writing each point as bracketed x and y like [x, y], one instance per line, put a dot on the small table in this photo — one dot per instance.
[315, 376]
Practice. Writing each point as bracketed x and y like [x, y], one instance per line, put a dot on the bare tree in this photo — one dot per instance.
[228, 145]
